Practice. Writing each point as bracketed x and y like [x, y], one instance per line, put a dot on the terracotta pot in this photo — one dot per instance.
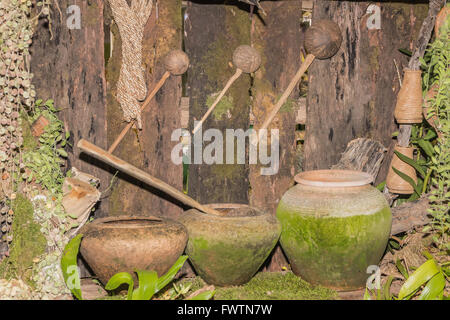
[126, 243]
[229, 250]
[409, 101]
[334, 226]
[394, 182]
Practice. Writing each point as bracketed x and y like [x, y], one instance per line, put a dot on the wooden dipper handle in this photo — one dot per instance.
[305, 65]
[134, 172]
[236, 75]
[144, 105]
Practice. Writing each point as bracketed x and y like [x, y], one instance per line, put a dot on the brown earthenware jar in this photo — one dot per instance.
[409, 101]
[128, 243]
[394, 182]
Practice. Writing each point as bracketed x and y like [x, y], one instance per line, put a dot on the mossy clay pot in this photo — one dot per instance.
[128, 243]
[334, 225]
[229, 249]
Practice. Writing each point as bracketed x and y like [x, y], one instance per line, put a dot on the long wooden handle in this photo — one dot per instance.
[144, 105]
[134, 172]
[236, 75]
[305, 65]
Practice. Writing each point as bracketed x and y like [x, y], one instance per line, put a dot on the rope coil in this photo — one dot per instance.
[131, 87]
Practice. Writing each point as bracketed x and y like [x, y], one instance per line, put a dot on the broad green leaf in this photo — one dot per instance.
[148, 281]
[409, 180]
[411, 162]
[69, 266]
[168, 277]
[207, 295]
[433, 288]
[424, 273]
[121, 278]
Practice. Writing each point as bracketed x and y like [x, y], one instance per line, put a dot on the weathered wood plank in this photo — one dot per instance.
[70, 69]
[212, 33]
[149, 149]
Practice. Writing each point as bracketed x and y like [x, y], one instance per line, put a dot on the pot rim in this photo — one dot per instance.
[108, 222]
[334, 178]
[231, 206]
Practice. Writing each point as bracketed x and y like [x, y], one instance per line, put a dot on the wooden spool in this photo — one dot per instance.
[409, 100]
[394, 182]
[246, 59]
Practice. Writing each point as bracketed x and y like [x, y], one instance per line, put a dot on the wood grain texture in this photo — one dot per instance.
[353, 94]
[149, 149]
[212, 33]
[70, 69]
[279, 45]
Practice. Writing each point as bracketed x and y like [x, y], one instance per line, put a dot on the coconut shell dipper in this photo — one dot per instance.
[137, 173]
[176, 63]
[322, 40]
[245, 59]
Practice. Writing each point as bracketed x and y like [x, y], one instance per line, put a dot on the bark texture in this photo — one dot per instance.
[148, 149]
[69, 68]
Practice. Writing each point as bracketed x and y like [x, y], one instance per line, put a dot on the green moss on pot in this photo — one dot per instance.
[332, 232]
[229, 250]
[334, 252]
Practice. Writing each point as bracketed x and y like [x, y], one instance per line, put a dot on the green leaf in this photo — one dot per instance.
[62, 153]
[423, 274]
[207, 295]
[406, 52]
[434, 288]
[411, 162]
[121, 278]
[168, 277]
[387, 288]
[409, 180]
[401, 268]
[427, 147]
[381, 186]
[69, 266]
[148, 281]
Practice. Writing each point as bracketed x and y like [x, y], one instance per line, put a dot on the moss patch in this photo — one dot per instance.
[28, 242]
[221, 109]
[270, 286]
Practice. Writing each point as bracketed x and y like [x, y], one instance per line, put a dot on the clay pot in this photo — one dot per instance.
[334, 225]
[229, 250]
[409, 101]
[394, 182]
[126, 243]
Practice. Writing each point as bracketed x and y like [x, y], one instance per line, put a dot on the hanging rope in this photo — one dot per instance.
[131, 88]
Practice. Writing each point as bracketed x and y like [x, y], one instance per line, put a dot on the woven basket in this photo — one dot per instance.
[409, 101]
[394, 182]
